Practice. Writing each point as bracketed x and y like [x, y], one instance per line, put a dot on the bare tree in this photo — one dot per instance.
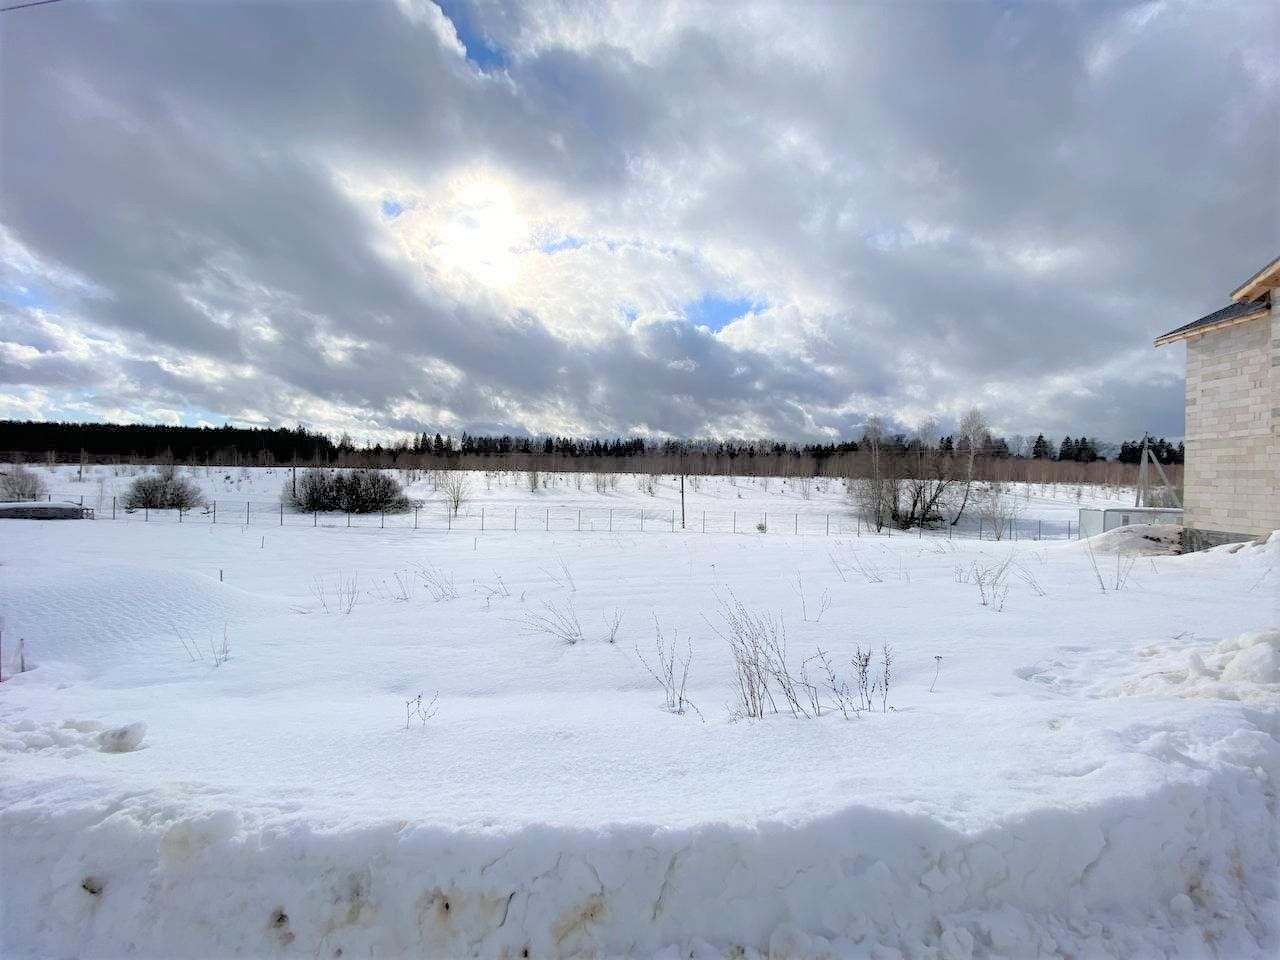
[874, 494]
[999, 510]
[457, 490]
[975, 434]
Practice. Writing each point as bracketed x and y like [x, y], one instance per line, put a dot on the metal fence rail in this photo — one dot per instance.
[565, 518]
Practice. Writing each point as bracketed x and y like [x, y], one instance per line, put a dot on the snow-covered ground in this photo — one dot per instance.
[1089, 770]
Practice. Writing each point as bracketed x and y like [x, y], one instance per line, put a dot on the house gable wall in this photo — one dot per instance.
[1232, 473]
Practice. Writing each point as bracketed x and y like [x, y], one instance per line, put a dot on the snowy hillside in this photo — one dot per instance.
[1076, 753]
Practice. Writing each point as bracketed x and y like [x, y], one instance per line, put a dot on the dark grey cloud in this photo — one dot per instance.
[933, 205]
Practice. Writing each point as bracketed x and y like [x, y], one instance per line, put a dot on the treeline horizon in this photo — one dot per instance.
[1079, 459]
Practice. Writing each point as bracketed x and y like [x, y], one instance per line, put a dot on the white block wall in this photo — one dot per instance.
[1232, 474]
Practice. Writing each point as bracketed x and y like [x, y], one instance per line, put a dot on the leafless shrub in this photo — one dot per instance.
[886, 665]
[19, 483]
[531, 477]
[565, 580]
[758, 643]
[222, 651]
[457, 490]
[439, 584]
[163, 491]
[339, 596]
[823, 604]
[188, 644]
[1093, 562]
[556, 621]
[416, 709]
[493, 591]
[937, 669]
[599, 482]
[861, 663]
[648, 484]
[1124, 567]
[1030, 580]
[672, 672]
[992, 583]
[747, 636]
[869, 571]
[840, 692]
[611, 625]
[839, 569]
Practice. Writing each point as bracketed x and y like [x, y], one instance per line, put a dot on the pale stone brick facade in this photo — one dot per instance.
[1232, 473]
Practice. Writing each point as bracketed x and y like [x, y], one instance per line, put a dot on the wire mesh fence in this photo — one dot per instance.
[568, 518]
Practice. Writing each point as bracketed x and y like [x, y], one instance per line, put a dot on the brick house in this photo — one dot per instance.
[1232, 475]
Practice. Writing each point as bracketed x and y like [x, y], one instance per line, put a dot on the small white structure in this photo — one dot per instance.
[44, 510]
[1094, 522]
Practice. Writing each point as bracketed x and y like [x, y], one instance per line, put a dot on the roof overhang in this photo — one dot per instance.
[1260, 309]
[1268, 278]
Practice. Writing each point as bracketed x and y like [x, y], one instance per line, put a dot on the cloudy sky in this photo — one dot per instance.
[684, 218]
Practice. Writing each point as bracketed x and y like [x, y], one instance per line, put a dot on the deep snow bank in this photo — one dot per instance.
[186, 872]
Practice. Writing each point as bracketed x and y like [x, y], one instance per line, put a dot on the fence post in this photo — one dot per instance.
[979, 528]
[215, 508]
[735, 521]
[246, 513]
[146, 514]
[348, 518]
[382, 520]
[673, 521]
[515, 518]
[282, 513]
[547, 522]
[611, 519]
[113, 507]
[828, 525]
[642, 519]
[315, 521]
[579, 519]
[1039, 528]
[415, 518]
[766, 521]
[704, 521]
[1068, 528]
[482, 519]
[797, 524]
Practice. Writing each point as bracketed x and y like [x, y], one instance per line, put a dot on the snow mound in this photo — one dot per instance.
[100, 617]
[1246, 667]
[1142, 540]
[123, 739]
[1153, 875]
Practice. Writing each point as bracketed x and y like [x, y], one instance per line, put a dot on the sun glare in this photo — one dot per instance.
[480, 233]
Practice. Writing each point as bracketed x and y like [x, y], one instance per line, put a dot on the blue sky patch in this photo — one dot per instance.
[717, 312]
[480, 50]
[567, 242]
[26, 296]
[391, 208]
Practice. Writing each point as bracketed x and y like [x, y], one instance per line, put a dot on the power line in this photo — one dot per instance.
[32, 3]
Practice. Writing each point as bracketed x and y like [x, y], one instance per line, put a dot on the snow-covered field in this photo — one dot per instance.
[1090, 769]
[570, 502]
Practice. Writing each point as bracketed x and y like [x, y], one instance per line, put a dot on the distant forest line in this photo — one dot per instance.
[1071, 459]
